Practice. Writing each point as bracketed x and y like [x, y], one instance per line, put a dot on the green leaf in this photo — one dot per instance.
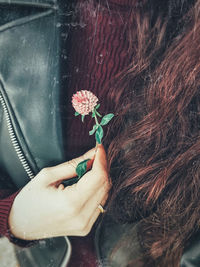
[82, 117]
[82, 168]
[76, 113]
[93, 114]
[97, 106]
[93, 129]
[106, 119]
[99, 134]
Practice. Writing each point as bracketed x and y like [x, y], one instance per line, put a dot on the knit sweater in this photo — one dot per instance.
[100, 51]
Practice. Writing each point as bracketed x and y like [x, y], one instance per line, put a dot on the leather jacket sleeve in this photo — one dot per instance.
[191, 256]
[117, 246]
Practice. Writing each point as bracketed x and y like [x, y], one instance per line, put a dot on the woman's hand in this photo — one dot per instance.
[44, 208]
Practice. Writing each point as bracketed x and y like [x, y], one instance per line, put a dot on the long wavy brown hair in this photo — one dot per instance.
[154, 155]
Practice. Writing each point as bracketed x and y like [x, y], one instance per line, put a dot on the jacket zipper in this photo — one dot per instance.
[14, 140]
[25, 164]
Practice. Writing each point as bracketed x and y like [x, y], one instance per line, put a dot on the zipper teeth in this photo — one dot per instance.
[14, 140]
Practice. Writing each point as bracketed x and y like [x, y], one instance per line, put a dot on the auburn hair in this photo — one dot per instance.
[154, 141]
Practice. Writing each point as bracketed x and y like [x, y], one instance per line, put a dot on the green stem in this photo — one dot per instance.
[97, 123]
[96, 120]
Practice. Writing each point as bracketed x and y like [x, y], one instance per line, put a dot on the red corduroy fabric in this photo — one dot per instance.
[100, 51]
[5, 206]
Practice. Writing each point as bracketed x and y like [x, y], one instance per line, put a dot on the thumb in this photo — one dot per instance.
[54, 175]
[100, 161]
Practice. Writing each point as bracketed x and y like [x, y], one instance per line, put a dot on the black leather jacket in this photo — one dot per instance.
[32, 63]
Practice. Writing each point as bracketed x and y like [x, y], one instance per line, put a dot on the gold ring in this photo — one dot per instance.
[102, 210]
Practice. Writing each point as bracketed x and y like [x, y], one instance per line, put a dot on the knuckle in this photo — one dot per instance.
[84, 156]
[72, 162]
[45, 171]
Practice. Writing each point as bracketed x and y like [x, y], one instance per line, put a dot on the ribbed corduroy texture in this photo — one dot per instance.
[100, 51]
[5, 206]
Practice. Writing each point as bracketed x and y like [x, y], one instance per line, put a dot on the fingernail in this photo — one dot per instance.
[89, 164]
